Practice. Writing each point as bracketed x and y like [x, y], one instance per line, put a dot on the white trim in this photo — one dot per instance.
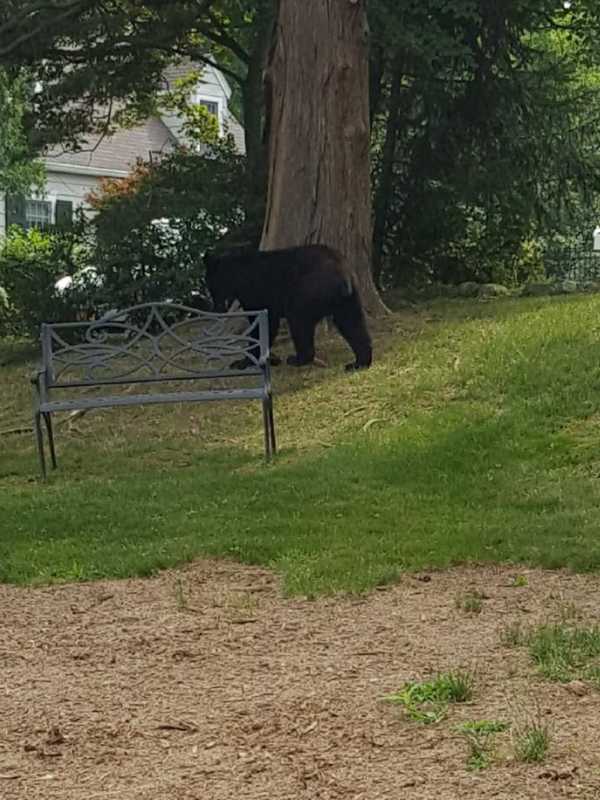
[77, 169]
[222, 80]
[219, 102]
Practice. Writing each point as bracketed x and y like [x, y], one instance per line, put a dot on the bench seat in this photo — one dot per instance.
[84, 403]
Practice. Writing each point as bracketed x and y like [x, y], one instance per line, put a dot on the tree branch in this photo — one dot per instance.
[220, 36]
[71, 10]
[210, 62]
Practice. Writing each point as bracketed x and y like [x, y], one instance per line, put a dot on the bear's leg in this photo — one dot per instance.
[350, 321]
[303, 336]
[242, 363]
[274, 322]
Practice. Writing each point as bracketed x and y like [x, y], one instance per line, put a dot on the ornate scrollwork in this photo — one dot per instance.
[153, 340]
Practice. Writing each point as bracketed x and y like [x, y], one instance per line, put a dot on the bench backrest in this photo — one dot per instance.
[153, 341]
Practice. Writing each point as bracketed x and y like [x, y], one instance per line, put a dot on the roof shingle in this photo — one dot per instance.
[118, 152]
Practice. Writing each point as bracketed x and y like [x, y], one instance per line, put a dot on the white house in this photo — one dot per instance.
[70, 177]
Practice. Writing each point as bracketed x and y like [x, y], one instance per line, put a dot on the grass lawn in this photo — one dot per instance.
[475, 437]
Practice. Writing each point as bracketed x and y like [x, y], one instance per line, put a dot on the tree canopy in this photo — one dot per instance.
[484, 115]
[18, 170]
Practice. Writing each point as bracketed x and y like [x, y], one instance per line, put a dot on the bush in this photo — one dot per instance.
[8, 320]
[30, 264]
[153, 228]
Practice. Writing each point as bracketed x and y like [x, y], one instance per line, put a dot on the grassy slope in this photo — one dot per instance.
[474, 438]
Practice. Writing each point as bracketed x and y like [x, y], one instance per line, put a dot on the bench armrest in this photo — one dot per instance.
[38, 381]
[35, 378]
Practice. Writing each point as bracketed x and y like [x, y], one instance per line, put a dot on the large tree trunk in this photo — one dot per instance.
[253, 106]
[318, 114]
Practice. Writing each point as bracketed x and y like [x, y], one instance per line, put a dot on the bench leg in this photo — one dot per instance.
[267, 426]
[37, 426]
[272, 427]
[48, 421]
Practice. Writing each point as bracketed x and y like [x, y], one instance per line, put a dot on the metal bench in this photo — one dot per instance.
[96, 364]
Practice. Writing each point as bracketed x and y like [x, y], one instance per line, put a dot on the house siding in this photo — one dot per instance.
[61, 186]
[72, 176]
[209, 87]
[66, 186]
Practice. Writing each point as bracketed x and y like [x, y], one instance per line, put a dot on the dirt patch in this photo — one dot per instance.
[204, 683]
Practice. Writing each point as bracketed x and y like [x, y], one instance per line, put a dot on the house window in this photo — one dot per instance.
[32, 213]
[38, 214]
[210, 105]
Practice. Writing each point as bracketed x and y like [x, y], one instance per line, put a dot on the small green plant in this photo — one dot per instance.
[428, 702]
[478, 735]
[458, 686]
[564, 652]
[592, 674]
[471, 602]
[569, 611]
[531, 741]
[520, 581]
[180, 596]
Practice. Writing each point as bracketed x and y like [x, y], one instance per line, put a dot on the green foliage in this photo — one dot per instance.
[199, 126]
[478, 735]
[18, 170]
[30, 263]
[152, 230]
[531, 740]
[122, 49]
[8, 317]
[520, 581]
[563, 652]
[497, 142]
[471, 602]
[147, 238]
[495, 150]
[428, 702]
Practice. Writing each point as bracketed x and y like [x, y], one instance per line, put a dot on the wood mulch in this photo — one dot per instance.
[206, 683]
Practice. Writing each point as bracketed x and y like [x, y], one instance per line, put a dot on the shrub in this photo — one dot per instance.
[30, 264]
[8, 320]
[153, 228]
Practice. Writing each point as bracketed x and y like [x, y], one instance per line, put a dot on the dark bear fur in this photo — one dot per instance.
[302, 284]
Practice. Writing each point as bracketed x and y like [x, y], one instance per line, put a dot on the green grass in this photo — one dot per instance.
[428, 702]
[531, 741]
[470, 602]
[479, 737]
[475, 437]
[564, 652]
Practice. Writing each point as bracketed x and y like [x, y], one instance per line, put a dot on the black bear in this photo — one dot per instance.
[302, 284]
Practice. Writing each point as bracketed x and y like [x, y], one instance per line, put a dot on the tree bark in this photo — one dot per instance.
[253, 107]
[318, 153]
